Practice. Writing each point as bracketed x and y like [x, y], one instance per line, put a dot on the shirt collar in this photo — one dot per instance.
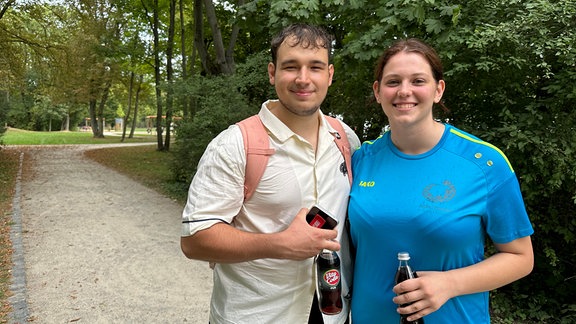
[278, 129]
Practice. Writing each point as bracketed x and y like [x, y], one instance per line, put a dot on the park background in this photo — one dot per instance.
[200, 65]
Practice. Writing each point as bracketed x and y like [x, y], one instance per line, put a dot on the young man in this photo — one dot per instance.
[263, 247]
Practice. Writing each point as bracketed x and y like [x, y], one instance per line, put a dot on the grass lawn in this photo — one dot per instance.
[142, 163]
[15, 136]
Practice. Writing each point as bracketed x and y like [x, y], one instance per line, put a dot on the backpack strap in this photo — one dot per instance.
[342, 142]
[344, 146]
[257, 149]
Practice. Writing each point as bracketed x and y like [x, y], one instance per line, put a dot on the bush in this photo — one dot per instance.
[540, 146]
[220, 101]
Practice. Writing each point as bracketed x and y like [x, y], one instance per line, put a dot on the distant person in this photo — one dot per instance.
[436, 192]
[263, 247]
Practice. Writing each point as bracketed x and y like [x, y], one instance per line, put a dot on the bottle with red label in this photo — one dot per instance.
[405, 272]
[329, 285]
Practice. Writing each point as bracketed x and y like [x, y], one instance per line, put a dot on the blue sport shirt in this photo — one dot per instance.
[438, 206]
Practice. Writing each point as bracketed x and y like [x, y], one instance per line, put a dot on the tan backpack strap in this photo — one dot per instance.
[258, 151]
[341, 140]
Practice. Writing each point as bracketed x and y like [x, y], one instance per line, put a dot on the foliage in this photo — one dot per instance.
[364, 30]
[220, 101]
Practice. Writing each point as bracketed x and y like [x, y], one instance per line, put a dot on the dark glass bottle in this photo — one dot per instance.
[328, 269]
[405, 272]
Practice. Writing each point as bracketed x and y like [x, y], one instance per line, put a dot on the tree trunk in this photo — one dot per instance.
[136, 101]
[232, 44]
[127, 118]
[93, 123]
[67, 126]
[100, 111]
[169, 74]
[157, 77]
[223, 66]
[183, 57]
[199, 37]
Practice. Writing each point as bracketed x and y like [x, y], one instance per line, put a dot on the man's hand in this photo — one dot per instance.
[303, 241]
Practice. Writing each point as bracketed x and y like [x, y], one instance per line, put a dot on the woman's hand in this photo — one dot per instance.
[425, 294]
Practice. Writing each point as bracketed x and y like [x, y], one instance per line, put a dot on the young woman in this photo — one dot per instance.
[432, 190]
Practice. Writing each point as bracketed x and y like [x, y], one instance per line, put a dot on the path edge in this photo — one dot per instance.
[20, 313]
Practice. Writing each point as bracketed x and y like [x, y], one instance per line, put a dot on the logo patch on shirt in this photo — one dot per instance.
[368, 184]
[439, 192]
[343, 169]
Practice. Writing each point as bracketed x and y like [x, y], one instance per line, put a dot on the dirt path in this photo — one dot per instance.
[101, 248]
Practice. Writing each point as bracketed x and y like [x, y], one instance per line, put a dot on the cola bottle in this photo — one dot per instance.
[329, 285]
[405, 272]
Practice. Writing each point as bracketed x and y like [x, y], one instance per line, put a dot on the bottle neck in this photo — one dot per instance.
[405, 268]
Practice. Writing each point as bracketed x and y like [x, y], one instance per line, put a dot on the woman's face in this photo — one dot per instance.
[408, 90]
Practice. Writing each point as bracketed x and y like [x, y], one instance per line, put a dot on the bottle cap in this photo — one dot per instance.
[403, 256]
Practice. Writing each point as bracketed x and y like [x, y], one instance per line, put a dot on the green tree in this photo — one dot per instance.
[25, 59]
[3, 92]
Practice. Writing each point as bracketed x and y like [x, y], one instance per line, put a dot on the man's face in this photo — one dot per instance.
[301, 77]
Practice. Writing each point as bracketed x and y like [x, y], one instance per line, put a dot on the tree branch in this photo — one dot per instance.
[5, 7]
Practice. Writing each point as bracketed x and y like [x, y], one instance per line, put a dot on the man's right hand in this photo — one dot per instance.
[303, 241]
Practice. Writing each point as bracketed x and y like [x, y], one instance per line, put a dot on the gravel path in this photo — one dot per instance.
[100, 248]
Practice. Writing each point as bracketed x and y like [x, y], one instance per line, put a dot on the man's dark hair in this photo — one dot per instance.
[307, 36]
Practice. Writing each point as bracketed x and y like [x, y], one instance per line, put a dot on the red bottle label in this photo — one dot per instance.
[317, 221]
[332, 277]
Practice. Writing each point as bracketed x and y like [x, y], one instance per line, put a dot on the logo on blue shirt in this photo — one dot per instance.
[439, 192]
[368, 184]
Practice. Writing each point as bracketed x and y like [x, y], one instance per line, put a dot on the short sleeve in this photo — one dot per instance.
[216, 193]
[506, 218]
